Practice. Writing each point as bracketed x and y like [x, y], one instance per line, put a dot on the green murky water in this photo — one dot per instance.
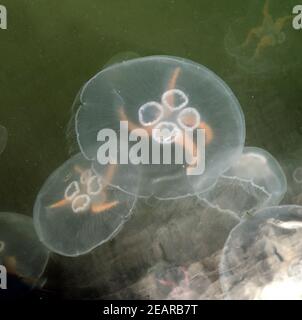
[52, 47]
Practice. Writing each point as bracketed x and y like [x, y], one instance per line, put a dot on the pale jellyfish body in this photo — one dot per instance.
[255, 46]
[254, 182]
[3, 138]
[164, 99]
[76, 210]
[21, 252]
[262, 256]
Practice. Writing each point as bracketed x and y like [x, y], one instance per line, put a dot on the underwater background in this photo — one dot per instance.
[51, 48]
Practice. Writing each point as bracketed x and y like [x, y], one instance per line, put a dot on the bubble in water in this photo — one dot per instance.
[254, 182]
[170, 94]
[21, 252]
[262, 257]
[77, 210]
[3, 138]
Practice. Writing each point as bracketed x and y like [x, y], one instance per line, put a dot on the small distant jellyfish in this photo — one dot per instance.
[297, 175]
[77, 210]
[254, 182]
[21, 252]
[3, 138]
[262, 257]
[168, 101]
[252, 46]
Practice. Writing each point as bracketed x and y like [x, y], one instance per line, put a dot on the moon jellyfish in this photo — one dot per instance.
[3, 138]
[171, 116]
[255, 181]
[21, 252]
[77, 210]
[182, 237]
[258, 49]
[262, 257]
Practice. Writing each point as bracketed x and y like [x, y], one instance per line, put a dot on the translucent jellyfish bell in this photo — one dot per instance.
[21, 252]
[254, 182]
[77, 210]
[262, 257]
[175, 97]
[3, 138]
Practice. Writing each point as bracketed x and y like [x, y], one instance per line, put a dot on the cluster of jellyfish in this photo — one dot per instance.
[148, 230]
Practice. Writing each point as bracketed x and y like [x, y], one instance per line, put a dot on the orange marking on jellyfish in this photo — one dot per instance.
[99, 208]
[109, 174]
[78, 169]
[123, 117]
[10, 263]
[171, 86]
[107, 180]
[209, 132]
[59, 204]
[188, 144]
[131, 125]
[189, 121]
[174, 78]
